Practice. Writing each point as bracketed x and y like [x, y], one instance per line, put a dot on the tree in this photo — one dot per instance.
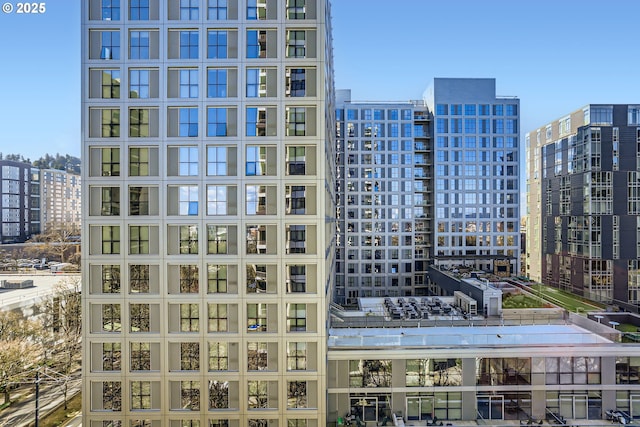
[62, 321]
[18, 351]
[55, 243]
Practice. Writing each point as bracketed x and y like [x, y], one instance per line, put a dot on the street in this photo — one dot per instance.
[22, 413]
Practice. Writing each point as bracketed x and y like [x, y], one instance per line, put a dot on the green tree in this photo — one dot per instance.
[20, 349]
[62, 322]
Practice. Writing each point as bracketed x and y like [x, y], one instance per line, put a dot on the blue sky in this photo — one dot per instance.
[555, 55]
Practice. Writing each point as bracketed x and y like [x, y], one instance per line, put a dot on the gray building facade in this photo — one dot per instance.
[584, 225]
[19, 201]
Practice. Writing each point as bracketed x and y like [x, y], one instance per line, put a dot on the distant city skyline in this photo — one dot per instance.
[562, 55]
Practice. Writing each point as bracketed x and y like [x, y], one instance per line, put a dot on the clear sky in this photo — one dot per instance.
[555, 55]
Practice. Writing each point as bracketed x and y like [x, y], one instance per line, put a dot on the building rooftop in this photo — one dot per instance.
[476, 336]
[44, 284]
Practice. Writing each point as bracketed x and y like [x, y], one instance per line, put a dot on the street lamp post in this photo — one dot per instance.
[37, 396]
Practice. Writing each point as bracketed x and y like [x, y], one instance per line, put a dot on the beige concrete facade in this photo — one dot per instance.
[209, 219]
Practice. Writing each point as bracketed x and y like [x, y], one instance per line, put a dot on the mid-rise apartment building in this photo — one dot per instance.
[209, 221]
[60, 195]
[476, 203]
[19, 201]
[385, 190]
[583, 230]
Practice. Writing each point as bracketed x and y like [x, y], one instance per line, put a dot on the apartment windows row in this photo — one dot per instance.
[196, 10]
[191, 394]
[352, 114]
[190, 160]
[212, 421]
[192, 44]
[380, 145]
[187, 200]
[144, 280]
[214, 82]
[434, 372]
[477, 109]
[482, 126]
[219, 121]
[211, 356]
[188, 240]
[194, 317]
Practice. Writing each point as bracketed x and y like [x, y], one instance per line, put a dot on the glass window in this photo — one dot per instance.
[188, 161]
[110, 123]
[217, 239]
[218, 356]
[138, 83]
[258, 394]
[111, 356]
[217, 121]
[296, 44]
[296, 356]
[189, 318]
[111, 279]
[138, 201]
[188, 239]
[296, 9]
[189, 9]
[256, 9]
[110, 83]
[217, 161]
[295, 199]
[296, 239]
[110, 201]
[139, 10]
[217, 44]
[257, 356]
[140, 395]
[217, 279]
[188, 83]
[139, 279]
[189, 356]
[188, 45]
[138, 239]
[139, 318]
[216, 83]
[218, 320]
[139, 122]
[111, 319]
[256, 161]
[188, 125]
[140, 356]
[219, 395]
[109, 45]
[217, 10]
[110, 10]
[139, 45]
[138, 161]
[256, 44]
[188, 200]
[189, 279]
[217, 200]
[112, 395]
[296, 394]
[296, 317]
[110, 239]
[257, 317]
[296, 121]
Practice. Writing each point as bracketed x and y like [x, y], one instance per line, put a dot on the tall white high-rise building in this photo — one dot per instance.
[209, 220]
[477, 195]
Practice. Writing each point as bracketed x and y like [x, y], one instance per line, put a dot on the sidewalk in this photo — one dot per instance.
[21, 412]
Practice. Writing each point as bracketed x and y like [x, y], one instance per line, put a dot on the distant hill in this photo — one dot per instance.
[61, 162]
